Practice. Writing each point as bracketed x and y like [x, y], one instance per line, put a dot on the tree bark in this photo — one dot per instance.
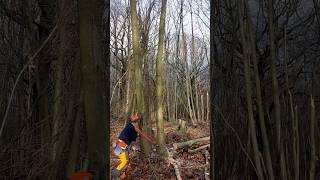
[159, 74]
[292, 112]
[194, 101]
[187, 78]
[73, 147]
[59, 76]
[47, 21]
[246, 59]
[138, 66]
[297, 144]
[259, 97]
[273, 71]
[202, 108]
[129, 93]
[93, 71]
[275, 86]
[313, 145]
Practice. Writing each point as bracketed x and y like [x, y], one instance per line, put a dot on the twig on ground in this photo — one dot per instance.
[194, 166]
[198, 149]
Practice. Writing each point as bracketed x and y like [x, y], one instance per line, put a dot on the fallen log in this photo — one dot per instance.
[198, 149]
[189, 143]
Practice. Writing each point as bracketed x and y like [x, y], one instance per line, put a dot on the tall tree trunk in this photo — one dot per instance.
[194, 102]
[59, 79]
[73, 146]
[292, 112]
[187, 77]
[273, 71]
[246, 59]
[176, 61]
[144, 28]
[95, 92]
[312, 142]
[147, 94]
[159, 74]
[167, 72]
[208, 108]
[297, 144]
[48, 12]
[202, 108]
[138, 66]
[275, 86]
[259, 97]
[60, 168]
[129, 93]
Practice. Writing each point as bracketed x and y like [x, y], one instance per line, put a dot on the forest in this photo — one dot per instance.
[54, 88]
[160, 67]
[213, 89]
[72, 72]
[265, 89]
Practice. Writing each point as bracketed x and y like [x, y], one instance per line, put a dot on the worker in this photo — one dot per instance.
[128, 134]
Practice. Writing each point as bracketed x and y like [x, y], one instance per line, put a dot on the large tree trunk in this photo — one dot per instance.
[145, 30]
[59, 76]
[176, 76]
[48, 12]
[65, 98]
[129, 90]
[159, 74]
[74, 145]
[138, 66]
[77, 109]
[93, 85]
[210, 106]
[60, 168]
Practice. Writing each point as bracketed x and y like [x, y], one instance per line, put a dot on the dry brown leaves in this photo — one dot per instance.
[154, 167]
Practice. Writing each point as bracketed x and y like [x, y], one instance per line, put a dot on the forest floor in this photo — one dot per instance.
[154, 167]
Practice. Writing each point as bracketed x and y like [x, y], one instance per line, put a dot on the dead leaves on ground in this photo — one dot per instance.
[155, 167]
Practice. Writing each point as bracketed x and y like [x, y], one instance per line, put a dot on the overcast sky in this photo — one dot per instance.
[201, 14]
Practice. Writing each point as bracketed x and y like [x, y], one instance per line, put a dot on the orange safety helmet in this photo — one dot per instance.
[136, 118]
